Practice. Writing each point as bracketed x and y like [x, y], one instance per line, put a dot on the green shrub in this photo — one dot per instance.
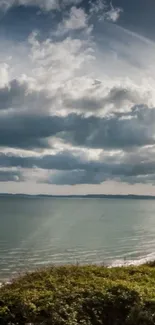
[74, 295]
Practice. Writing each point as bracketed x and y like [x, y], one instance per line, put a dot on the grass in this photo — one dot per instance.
[74, 295]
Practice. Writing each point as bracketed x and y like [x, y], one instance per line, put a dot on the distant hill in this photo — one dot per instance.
[87, 196]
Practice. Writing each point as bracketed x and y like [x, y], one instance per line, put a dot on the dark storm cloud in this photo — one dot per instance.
[98, 172]
[24, 131]
[17, 95]
[119, 131]
[12, 95]
[141, 173]
[61, 161]
[85, 177]
[71, 169]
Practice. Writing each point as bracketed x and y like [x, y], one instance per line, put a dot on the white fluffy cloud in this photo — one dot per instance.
[113, 14]
[57, 64]
[65, 70]
[76, 20]
[4, 74]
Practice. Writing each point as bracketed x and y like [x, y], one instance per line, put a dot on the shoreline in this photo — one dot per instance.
[118, 263]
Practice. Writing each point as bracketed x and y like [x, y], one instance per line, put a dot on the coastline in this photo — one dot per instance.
[79, 196]
[117, 263]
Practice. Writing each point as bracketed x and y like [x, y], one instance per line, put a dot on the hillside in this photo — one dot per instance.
[73, 295]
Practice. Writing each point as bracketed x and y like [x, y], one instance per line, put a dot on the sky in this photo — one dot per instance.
[77, 96]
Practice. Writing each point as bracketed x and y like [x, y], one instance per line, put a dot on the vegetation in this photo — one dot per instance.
[74, 295]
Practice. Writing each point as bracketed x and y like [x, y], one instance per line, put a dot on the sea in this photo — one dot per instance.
[38, 232]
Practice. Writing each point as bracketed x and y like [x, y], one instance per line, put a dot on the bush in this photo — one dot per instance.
[74, 295]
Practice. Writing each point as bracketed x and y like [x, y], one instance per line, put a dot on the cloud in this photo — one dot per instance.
[66, 69]
[113, 14]
[17, 95]
[72, 167]
[42, 4]
[74, 178]
[66, 168]
[76, 106]
[97, 98]
[103, 11]
[58, 62]
[10, 176]
[4, 74]
[58, 75]
[28, 131]
[64, 160]
[76, 20]
[119, 168]
[77, 17]
[119, 130]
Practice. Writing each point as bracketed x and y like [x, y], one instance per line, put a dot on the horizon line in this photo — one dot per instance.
[130, 195]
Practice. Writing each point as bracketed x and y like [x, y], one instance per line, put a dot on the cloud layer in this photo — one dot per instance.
[42, 4]
[77, 107]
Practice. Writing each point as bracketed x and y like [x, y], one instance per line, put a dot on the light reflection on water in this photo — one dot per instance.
[36, 232]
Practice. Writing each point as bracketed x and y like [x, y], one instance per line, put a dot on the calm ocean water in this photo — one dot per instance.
[38, 232]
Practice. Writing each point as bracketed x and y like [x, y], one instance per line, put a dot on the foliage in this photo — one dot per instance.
[86, 295]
